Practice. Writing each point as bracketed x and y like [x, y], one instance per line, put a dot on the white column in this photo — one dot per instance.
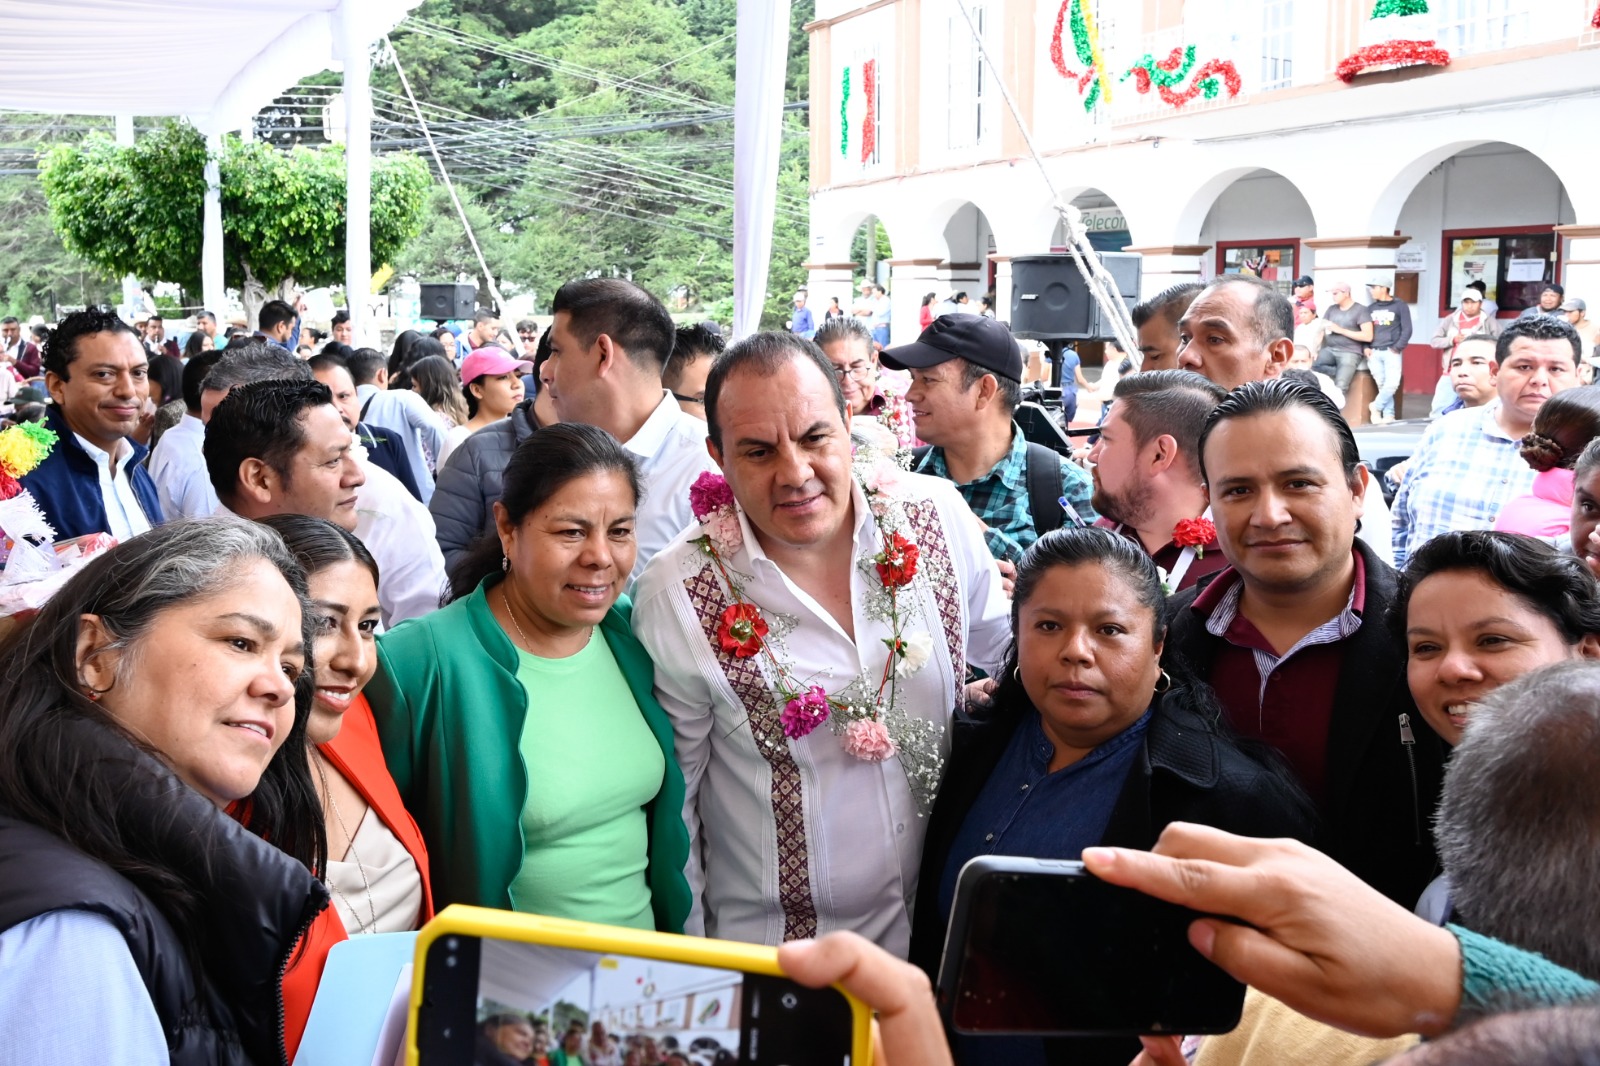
[131, 294]
[1002, 287]
[909, 281]
[358, 163]
[825, 281]
[761, 47]
[1164, 266]
[211, 275]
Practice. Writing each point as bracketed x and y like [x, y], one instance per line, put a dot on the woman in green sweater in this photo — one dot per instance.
[519, 721]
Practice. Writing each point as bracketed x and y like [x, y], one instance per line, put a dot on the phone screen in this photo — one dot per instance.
[710, 1017]
[1062, 952]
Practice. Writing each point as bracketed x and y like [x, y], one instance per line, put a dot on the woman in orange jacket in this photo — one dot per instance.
[377, 863]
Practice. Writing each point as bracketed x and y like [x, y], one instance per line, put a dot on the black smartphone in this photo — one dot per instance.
[477, 993]
[1043, 947]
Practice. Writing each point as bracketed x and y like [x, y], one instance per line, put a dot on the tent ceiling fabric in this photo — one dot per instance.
[105, 57]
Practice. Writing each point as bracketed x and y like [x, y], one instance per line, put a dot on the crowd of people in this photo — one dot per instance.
[854, 629]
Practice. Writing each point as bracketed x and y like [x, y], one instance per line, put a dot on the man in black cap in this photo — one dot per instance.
[966, 380]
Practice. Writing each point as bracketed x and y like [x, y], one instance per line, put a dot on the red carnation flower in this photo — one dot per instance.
[741, 630]
[1194, 533]
[897, 563]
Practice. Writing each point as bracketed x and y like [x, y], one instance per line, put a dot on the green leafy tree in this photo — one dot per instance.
[138, 209]
[39, 273]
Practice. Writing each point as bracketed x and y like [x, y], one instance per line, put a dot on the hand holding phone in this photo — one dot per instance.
[1042, 947]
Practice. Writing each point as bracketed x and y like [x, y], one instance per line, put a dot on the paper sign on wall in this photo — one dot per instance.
[1525, 270]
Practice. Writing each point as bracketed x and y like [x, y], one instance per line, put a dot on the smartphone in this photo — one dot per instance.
[714, 1002]
[1043, 947]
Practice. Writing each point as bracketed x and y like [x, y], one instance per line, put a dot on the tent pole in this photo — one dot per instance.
[211, 275]
[358, 163]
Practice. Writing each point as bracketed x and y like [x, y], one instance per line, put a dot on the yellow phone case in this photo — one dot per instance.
[485, 923]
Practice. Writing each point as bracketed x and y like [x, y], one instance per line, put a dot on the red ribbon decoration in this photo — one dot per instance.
[869, 123]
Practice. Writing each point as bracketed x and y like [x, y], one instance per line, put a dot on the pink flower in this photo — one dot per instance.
[804, 713]
[868, 740]
[722, 526]
[708, 493]
[884, 476]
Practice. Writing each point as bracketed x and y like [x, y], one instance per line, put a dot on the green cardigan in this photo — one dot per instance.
[450, 713]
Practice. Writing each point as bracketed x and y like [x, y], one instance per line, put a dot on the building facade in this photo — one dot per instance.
[1212, 135]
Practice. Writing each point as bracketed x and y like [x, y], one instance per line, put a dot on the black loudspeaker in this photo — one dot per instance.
[1049, 300]
[441, 301]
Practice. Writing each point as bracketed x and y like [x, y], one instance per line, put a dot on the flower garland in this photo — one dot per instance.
[844, 114]
[869, 121]
[866, 716]
[1167, 74]
[22, 448]
[1077, 15]
[1390, 54]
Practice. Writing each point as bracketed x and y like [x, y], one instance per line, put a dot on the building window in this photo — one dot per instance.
[1275, 261]
[968, 100]
[1466, 26]
[1277, 44]
[1513, 263]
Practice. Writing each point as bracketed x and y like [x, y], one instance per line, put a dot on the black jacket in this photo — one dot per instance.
[255, 902]
[1186, 771]
[1385, 765]
[385, 450]
[472, 479]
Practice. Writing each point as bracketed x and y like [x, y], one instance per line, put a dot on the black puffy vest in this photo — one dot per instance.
[255, 902]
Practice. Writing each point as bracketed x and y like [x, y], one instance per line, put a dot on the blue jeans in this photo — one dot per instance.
[1384, 364]
[880, 334]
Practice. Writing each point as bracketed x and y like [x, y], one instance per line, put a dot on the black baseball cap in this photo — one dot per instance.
[1303, 280]
[979, 340]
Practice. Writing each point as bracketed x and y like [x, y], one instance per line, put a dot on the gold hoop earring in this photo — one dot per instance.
[1164, 683]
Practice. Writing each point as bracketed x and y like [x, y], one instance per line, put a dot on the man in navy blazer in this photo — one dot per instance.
[93, 480]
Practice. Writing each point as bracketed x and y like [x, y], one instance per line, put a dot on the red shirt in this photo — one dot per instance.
[1287, 700]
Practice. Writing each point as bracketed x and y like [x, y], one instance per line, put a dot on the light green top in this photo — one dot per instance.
[593, 765]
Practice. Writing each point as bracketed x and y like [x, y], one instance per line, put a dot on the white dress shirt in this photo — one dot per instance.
[671, 446]
[178, 467]
[400, 534]
[125, 517]
[793, 838]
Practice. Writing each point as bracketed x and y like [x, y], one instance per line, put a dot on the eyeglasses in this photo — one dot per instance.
[857, 369]
[529, 336]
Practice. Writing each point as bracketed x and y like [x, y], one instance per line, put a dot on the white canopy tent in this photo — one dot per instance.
[217, 62]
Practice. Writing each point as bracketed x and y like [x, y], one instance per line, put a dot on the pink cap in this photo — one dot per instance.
[492, 361]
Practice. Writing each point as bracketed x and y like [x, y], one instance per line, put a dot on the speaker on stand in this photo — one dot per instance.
[1050, 301]
[444, 301]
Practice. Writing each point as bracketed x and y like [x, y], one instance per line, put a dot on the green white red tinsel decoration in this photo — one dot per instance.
[1398, 52]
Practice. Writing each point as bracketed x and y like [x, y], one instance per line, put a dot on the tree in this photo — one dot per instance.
[138, 209]
[39, 273]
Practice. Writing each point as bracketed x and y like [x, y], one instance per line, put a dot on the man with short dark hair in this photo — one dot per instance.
[485, 328]
[279, 323]
[383, 447]
[1146, 470]
[395, 527]
[694, 348]
[1550, 299]
[1292, 635]
[206, 323]
[281, 447]
[343, 330]
[794, 836]
[1305, 288]
[1156, 321]
[1472, 372]
[94, 480]
[1468, 464]
[1237, 329]
[528, 338]
[608, 345]
[17, 353]
[966, 382]
[177, 462]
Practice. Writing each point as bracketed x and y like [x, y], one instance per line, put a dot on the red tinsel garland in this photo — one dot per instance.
[1595, 22]
[1203, 82]
[869, 122]
[1393, 54]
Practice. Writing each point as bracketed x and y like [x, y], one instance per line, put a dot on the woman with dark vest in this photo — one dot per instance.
[1089, 742]
[166, 681]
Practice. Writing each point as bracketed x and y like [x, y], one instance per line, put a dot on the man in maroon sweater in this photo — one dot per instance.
[1293, 634]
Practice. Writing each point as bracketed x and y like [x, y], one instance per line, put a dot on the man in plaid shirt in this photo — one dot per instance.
[1468, 464]
[966, 381]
